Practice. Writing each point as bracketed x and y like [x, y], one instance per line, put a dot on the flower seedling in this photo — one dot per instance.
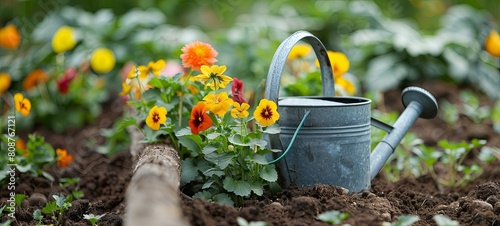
[333, 217]
[57, 207]
[93, 219]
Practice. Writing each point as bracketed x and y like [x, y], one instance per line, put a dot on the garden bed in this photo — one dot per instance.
[104, 181]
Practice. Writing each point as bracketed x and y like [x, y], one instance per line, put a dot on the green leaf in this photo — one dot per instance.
[209, 149]
[125, 122]
[191, 142]
[189, 171]
[205, 195]
[223, 199]
[183, 132]
[443, 220]
[236, 139]
[229, 184]
[269, 173]
[37, 215]
[155, 82]
[257, 188]
[208, 184]
[333, 217]
[212, 136]
[50, 208]
[213, 171]
[48, 176]
[221, 160]
[18, 198]
[242, 188]
[273, 129]
[259, 159]
[406, 220]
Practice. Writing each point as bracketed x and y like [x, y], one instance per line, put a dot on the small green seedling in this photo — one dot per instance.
[7, 222]
[333, 217]
[19, 199]
[242, 222]
[404, 220]
[57, 207]
[472, 108]
[452, 157]
[68, 181]
[37, 215]
[449, 113]
[94, 219]
[443, 220]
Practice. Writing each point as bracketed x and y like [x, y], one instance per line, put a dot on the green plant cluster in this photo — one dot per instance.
[392, 52]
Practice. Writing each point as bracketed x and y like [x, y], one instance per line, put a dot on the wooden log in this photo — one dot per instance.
[153, 196]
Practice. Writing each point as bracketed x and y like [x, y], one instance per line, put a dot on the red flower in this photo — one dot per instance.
[237, 91]
[63, 83]
[199, 120]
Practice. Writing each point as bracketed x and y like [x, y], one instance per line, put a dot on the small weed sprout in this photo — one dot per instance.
[452, 157]
[243, 222]
[93, 219]
[57, 207]
[333, 217]
[37, 215]
[443, 220]
[404, 220]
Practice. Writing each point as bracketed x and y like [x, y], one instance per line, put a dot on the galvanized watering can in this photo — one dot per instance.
[328, 137]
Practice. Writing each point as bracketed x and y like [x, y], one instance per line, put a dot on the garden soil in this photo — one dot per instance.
[104, 180]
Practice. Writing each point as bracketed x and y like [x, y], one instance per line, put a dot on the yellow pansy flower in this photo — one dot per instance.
[214, 77]
[22, 105]
[219, 104]
[339, 62]
[299, 51]
[266, 113]
[156, 117]
[240, 111]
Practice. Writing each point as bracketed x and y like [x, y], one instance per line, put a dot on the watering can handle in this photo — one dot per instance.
[281, 55]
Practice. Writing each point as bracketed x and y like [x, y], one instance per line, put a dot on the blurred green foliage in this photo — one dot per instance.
[389, 43]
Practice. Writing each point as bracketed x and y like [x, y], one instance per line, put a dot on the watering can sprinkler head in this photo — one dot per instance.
[327, 139]
[419, 103]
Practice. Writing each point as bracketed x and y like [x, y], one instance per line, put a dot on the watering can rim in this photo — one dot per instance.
[363, 101]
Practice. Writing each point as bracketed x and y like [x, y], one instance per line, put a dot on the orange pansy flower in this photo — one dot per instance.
[9, 37]
[199, 120]
[34, 78]
[63, 158]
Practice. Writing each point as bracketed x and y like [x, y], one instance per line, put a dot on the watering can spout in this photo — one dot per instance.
[418, 103]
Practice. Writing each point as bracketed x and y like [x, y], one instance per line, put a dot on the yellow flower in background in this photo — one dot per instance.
[126, 88]
[492, 43]
[10, 37]
[299, 51]
[102, 60]
[156, 117]
[64, 39]
[143, 71]
[240, 111]
[5, 82]
[156, 67]
[218, 104]
[214, 77]
[22, 105]
[34, 78]
[339, 62]
[346, 85]
[266, 113]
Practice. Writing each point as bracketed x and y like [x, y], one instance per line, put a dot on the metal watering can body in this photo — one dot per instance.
[328, 137]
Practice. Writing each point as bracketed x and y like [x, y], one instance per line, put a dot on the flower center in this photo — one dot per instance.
[266, 113]
[156, 117]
